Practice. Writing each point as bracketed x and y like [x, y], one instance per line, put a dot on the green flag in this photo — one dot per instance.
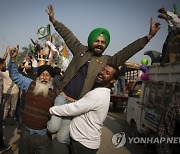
[175, 11]
[43, 31]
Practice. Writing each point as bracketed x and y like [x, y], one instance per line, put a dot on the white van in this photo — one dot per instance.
[148, 99]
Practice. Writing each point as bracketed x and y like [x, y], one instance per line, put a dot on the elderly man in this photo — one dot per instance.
[40, 96]
[87, 61]
[89, 113]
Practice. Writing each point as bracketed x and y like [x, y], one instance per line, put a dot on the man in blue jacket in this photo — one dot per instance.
[39, 97]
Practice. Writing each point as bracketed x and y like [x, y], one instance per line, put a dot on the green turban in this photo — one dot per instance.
[95, 33]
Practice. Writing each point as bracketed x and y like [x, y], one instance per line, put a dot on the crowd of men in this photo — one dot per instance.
[72, 105]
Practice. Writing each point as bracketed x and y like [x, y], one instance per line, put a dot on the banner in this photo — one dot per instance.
[43, 31]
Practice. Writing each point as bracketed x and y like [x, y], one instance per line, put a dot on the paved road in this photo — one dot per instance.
[115, 123]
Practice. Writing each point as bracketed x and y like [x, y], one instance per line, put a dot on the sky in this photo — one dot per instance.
[126, 20]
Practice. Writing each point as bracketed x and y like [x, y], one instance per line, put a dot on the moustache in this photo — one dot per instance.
[101, 76]
[44, 81]
[99, 47]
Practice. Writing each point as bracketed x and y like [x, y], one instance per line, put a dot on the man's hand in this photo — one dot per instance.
[6, 53]
[162, 10]
[50, 12]
[163, 13]
[154, 27]
[13, 54]
[7, 49]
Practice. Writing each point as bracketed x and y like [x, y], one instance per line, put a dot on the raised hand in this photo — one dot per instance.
[13, 53]
[154, 27]
[50, 12]
[162, 10]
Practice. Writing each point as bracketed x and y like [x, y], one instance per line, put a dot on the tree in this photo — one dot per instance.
[23, 53]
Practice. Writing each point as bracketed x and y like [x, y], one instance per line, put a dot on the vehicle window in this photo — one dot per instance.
[137, 89]
[158, 95]
[177, 91]
[168, 94]
[158, 100]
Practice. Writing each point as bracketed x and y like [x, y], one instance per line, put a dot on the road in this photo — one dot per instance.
[114, 123]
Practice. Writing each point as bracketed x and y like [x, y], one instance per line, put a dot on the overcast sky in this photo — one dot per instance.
[126, 20]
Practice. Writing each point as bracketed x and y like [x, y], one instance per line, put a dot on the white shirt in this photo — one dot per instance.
[8, 86]
[173, 20]
[89, 114]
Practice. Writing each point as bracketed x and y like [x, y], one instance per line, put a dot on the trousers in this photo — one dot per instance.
[60, 125]
[31, 144]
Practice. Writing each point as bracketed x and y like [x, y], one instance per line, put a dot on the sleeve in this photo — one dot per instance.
[123, 55]
[79, 107]
[70, 39]
[21, 81]
[171, 15]
[173, 19]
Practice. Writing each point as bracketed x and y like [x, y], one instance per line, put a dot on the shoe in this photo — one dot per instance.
[5, 148]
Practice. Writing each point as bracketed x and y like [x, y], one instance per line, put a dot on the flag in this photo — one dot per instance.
[175, 11]
[43, 31]
[64, 52]
[52, 46]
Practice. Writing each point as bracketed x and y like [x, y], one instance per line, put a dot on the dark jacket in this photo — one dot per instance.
[81, 55]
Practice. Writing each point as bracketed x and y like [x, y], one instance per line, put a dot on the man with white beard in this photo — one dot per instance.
[40, 96]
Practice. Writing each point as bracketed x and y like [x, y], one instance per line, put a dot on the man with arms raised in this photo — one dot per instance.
[40, 96]
[79, 77]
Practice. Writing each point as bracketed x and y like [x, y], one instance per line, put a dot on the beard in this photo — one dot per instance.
[41, 88]
[97, 50]
[101, 84]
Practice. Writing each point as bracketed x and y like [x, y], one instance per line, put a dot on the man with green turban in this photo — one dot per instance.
[87, 61]
[95, 34]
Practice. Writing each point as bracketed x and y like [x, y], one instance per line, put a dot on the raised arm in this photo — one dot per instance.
[50, 12]
[6, 53]
[13, 54]
[22, 81]
[70, 39]
[123, 55]
[154, 27]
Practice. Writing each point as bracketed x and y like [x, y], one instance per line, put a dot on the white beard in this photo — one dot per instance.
[41, 88]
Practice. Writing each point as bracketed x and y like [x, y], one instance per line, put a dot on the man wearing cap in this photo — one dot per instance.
[40, 96]
[79, 77]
